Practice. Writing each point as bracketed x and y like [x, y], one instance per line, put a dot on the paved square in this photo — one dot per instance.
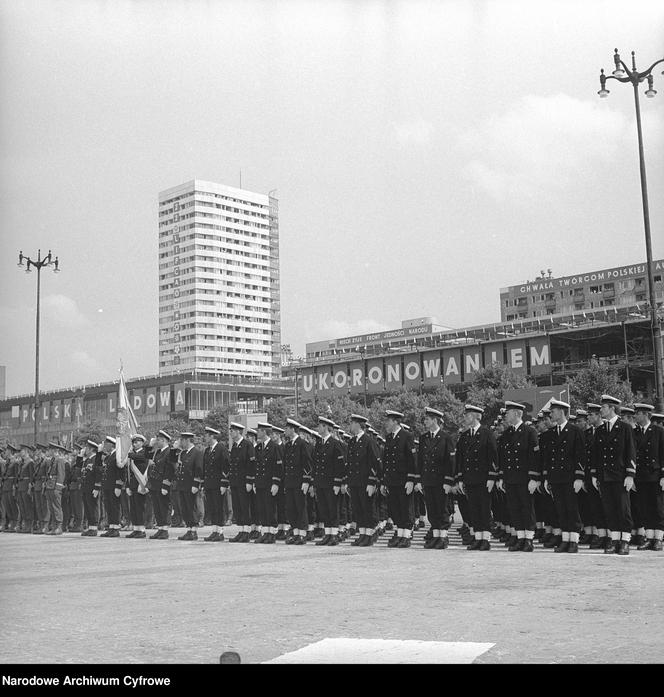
[73, 599]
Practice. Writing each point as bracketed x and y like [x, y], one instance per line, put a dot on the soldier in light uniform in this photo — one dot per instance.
[363, 477]
[521, 475]
[91, 485]
[240, 477]
[328, 471]
[112, 481]
[399, 477]
[649, 444]
[297, 480]
[8, 487]
[436, 464]
[41, 507]
[215, 476]
[613, 472]
[55, 484]
[477, 459]
[563, 473]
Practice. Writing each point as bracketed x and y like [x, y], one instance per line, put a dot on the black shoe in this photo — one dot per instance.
[505, 537]
[375, 536]
[357, 542]
[187, 537]
[299, 540]
[270, 538]
[290, 540]
[430, 543]
[584, 538]
[404, 543]
[367, 541]
[89, 533]
[527, 546]
[656, 546]
[623, 548]
[323, 541]
[212, 537]
[554, 541]
[389, 527]
[111, 532]
[334, 541]
[474, 546]
[260, 539]
[485, 546]
[610, 547]
[394, 541]
[236, 538]
[562, 547]
[319, 533]
[351, 531]
[281, 535]
[517, 546]
[254, 534]
[429, 534]
[309, 537]
[572, 547]
[592, 539]
[140, 534]
[637, 540]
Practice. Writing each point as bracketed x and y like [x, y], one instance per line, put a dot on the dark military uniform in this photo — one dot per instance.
[189, 474]
[363, 471]
[41, 507]
[73, 507]
[54, 486]
[8, 486]
[91, 482]
[649, 444]
[215, 475]
[519, 465]
[594, 508]
[564, 464]
[297, 471]
[112, 480]
[242, 459]
[614, 460]
[24, 493]
[477, 461]
[436, 468]
[328, 471]
[547, 508]
[399, 467]
[267, 466]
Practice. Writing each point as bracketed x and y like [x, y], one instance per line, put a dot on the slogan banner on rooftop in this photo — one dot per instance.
[427, 368]
[393, 334]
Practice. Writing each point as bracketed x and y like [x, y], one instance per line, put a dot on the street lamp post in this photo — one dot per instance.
[39, 264]
[622, 73]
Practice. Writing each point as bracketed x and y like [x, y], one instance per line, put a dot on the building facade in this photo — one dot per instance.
[617, 287]
[219, 285]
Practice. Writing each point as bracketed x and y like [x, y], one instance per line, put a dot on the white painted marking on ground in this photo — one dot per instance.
[344, 650]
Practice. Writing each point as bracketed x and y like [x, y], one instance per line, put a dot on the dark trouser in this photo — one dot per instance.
[585, 514]
[112, 505]
[199, 507]
[25, 505]
[124, 506]
[137, 508]
[464, 509]
[567, 507]
[520, 505]
[175, 503]
[66, 508]
[479, 502]
[436, 503]
[226, 506]
[296, 508]
[342, 509]
[267, 507]
[540, 506]
[420, 505]
[550, 513]
[363, 507]
[596, 508]
[41, 506]
[617, 510]
[241, 504]
[54, 500]
[91, 508]
[188, 507]
[381, 505]
[253, 509]
[160, 505]
[282, 517]
[327, 506]
[651, 503]
[148, 516]
[312, 516]
[213, 506]
[499, 504]
[637, 513]
[398, 505]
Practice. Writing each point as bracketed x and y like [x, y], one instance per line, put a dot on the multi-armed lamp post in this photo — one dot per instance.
[622, 73]
[39, 264]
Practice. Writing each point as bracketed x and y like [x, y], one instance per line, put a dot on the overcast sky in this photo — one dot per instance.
[424, 154]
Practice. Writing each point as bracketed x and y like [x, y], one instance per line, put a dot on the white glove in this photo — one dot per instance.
[418, 487]
[578, 485]
[305, 488]
[117, 492]
[629, 483]
[532, 486]
[661, 483]
[95, 493]
[194, 490]
[409, 488]
[595, 484]
[336, 490]
[547, 488]
[344, 488]
[274, 490]
[447, 488]
[461, 488]
[383, 490]
[501, 486]
[371, 490]
[223, 490]
[489, 485]
[164, 492]
[128, 491]
[249, 488]
[312, 491]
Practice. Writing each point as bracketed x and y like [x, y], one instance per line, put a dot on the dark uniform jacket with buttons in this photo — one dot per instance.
[267, 465]
[74, 477]
[297, 463]
[112, 476]
[477, 456]
[614, 457]
[329, 464]
[399, 465]
[215, 467]
[91, 472]
[242, 459]
[363, 462]
[566, 456]
[140, 458]
[189, 471]
[161, 471]
[25, 475]
[520, 460]
[435, 460]
[589, 442]
[649, 445]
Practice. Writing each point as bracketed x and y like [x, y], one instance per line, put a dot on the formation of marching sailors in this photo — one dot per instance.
[559, 480]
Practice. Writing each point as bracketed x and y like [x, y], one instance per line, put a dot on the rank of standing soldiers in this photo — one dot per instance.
[594, 478]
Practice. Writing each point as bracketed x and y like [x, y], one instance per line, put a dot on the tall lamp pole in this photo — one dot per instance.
[39, 264]
[622, 73]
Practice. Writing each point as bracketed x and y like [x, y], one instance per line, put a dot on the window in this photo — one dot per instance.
[609, 286]
[594, 289]
[658, 279]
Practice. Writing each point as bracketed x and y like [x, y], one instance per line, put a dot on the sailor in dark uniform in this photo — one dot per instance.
[215, 477]
[240, 478]
[328, 471]
[297, 479]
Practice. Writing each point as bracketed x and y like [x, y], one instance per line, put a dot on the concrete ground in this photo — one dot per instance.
[73, 599]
